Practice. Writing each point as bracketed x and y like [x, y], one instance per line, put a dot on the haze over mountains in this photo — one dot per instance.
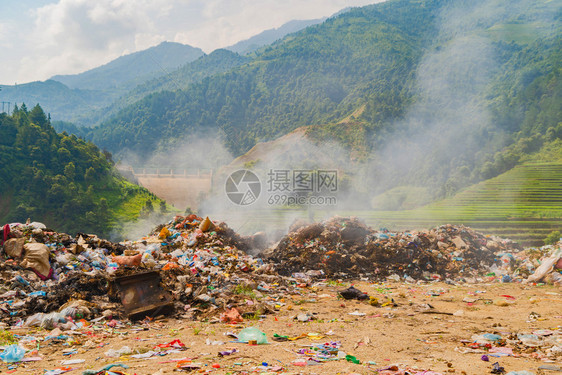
[82, 98]
[435, 94]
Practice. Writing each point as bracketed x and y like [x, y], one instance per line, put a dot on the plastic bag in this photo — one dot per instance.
[547, 265]
[118, 352]
[252, 333]
[13, 353]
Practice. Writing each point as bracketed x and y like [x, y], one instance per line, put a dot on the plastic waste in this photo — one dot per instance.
[556, 278]
[492, 336]
[352, 359]
[13, 353]
[520, 373]
[105, 368]
[529, 339]
[206, 225]
[497, 369]
[47, 321]
[118, 352]
[353, 293]
[148, 259]
[37, 225]
[252, 333]
[547, 265]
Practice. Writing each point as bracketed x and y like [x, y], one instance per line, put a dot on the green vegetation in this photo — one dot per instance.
[61, 180]
[7, 338]
[81, 98]
[217, 62]
[244, 290]
[552, 238]
[524, 204]
[317, 76]
[355, 77]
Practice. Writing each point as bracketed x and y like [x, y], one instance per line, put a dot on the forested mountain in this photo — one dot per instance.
[218, 61]
[442, 92]
[266, 37]
[61, 180]
[314, 76]
[127, 71]
[75, 97]
[58, 99]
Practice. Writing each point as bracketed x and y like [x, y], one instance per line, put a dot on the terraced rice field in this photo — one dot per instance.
[524, 204]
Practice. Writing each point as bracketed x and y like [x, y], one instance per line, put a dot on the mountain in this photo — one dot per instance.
[267, 37]
[127, 71]
[61, 180]
[75, 98]
[443, 92]
[58, 99]
[310, 77]
[217, 62]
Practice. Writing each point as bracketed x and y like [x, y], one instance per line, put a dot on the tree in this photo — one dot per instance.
[552, 238]
[148, 207]
[90, 174]
[70, 171]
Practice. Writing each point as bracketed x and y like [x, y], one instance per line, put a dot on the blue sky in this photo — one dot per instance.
[41, 38]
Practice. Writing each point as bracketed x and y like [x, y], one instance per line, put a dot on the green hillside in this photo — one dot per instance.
[267, 37]
[217, 62]
[315, 76]
[61, 180]
[58, 99]
[435, 93]
[76, 97]
[524, 204]
[125, 72]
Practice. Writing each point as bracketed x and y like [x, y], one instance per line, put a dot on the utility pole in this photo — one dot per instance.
[4, 105]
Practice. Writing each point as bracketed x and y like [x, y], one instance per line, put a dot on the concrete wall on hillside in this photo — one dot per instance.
[180, 188]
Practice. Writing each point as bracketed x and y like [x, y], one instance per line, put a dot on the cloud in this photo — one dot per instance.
[71, 36]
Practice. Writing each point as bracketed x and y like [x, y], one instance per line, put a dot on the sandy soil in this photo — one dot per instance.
[402, 335]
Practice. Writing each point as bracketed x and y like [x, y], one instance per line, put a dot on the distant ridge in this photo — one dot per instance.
[266, 37]
[128, 71]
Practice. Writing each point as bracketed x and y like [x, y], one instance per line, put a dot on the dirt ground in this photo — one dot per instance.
[409, 335]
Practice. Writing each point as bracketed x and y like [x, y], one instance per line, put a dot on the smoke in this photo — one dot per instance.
[448, 127]
[192, 153]
[288, 169]
[135, 230]
[196, 150]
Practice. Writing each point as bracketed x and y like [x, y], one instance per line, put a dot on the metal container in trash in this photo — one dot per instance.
[142, 295]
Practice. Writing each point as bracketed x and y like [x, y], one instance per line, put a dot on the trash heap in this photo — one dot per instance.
[345, 247]
[546, 269]
[51, 279]
[200, 268]
[543, 344]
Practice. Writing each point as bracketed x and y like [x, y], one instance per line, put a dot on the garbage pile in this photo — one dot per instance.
[345, 247]
[200, 268]
[543, 344]
[548, 268]
[52, 279]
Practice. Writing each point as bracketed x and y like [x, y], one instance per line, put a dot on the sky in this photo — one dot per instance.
[42, 38]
